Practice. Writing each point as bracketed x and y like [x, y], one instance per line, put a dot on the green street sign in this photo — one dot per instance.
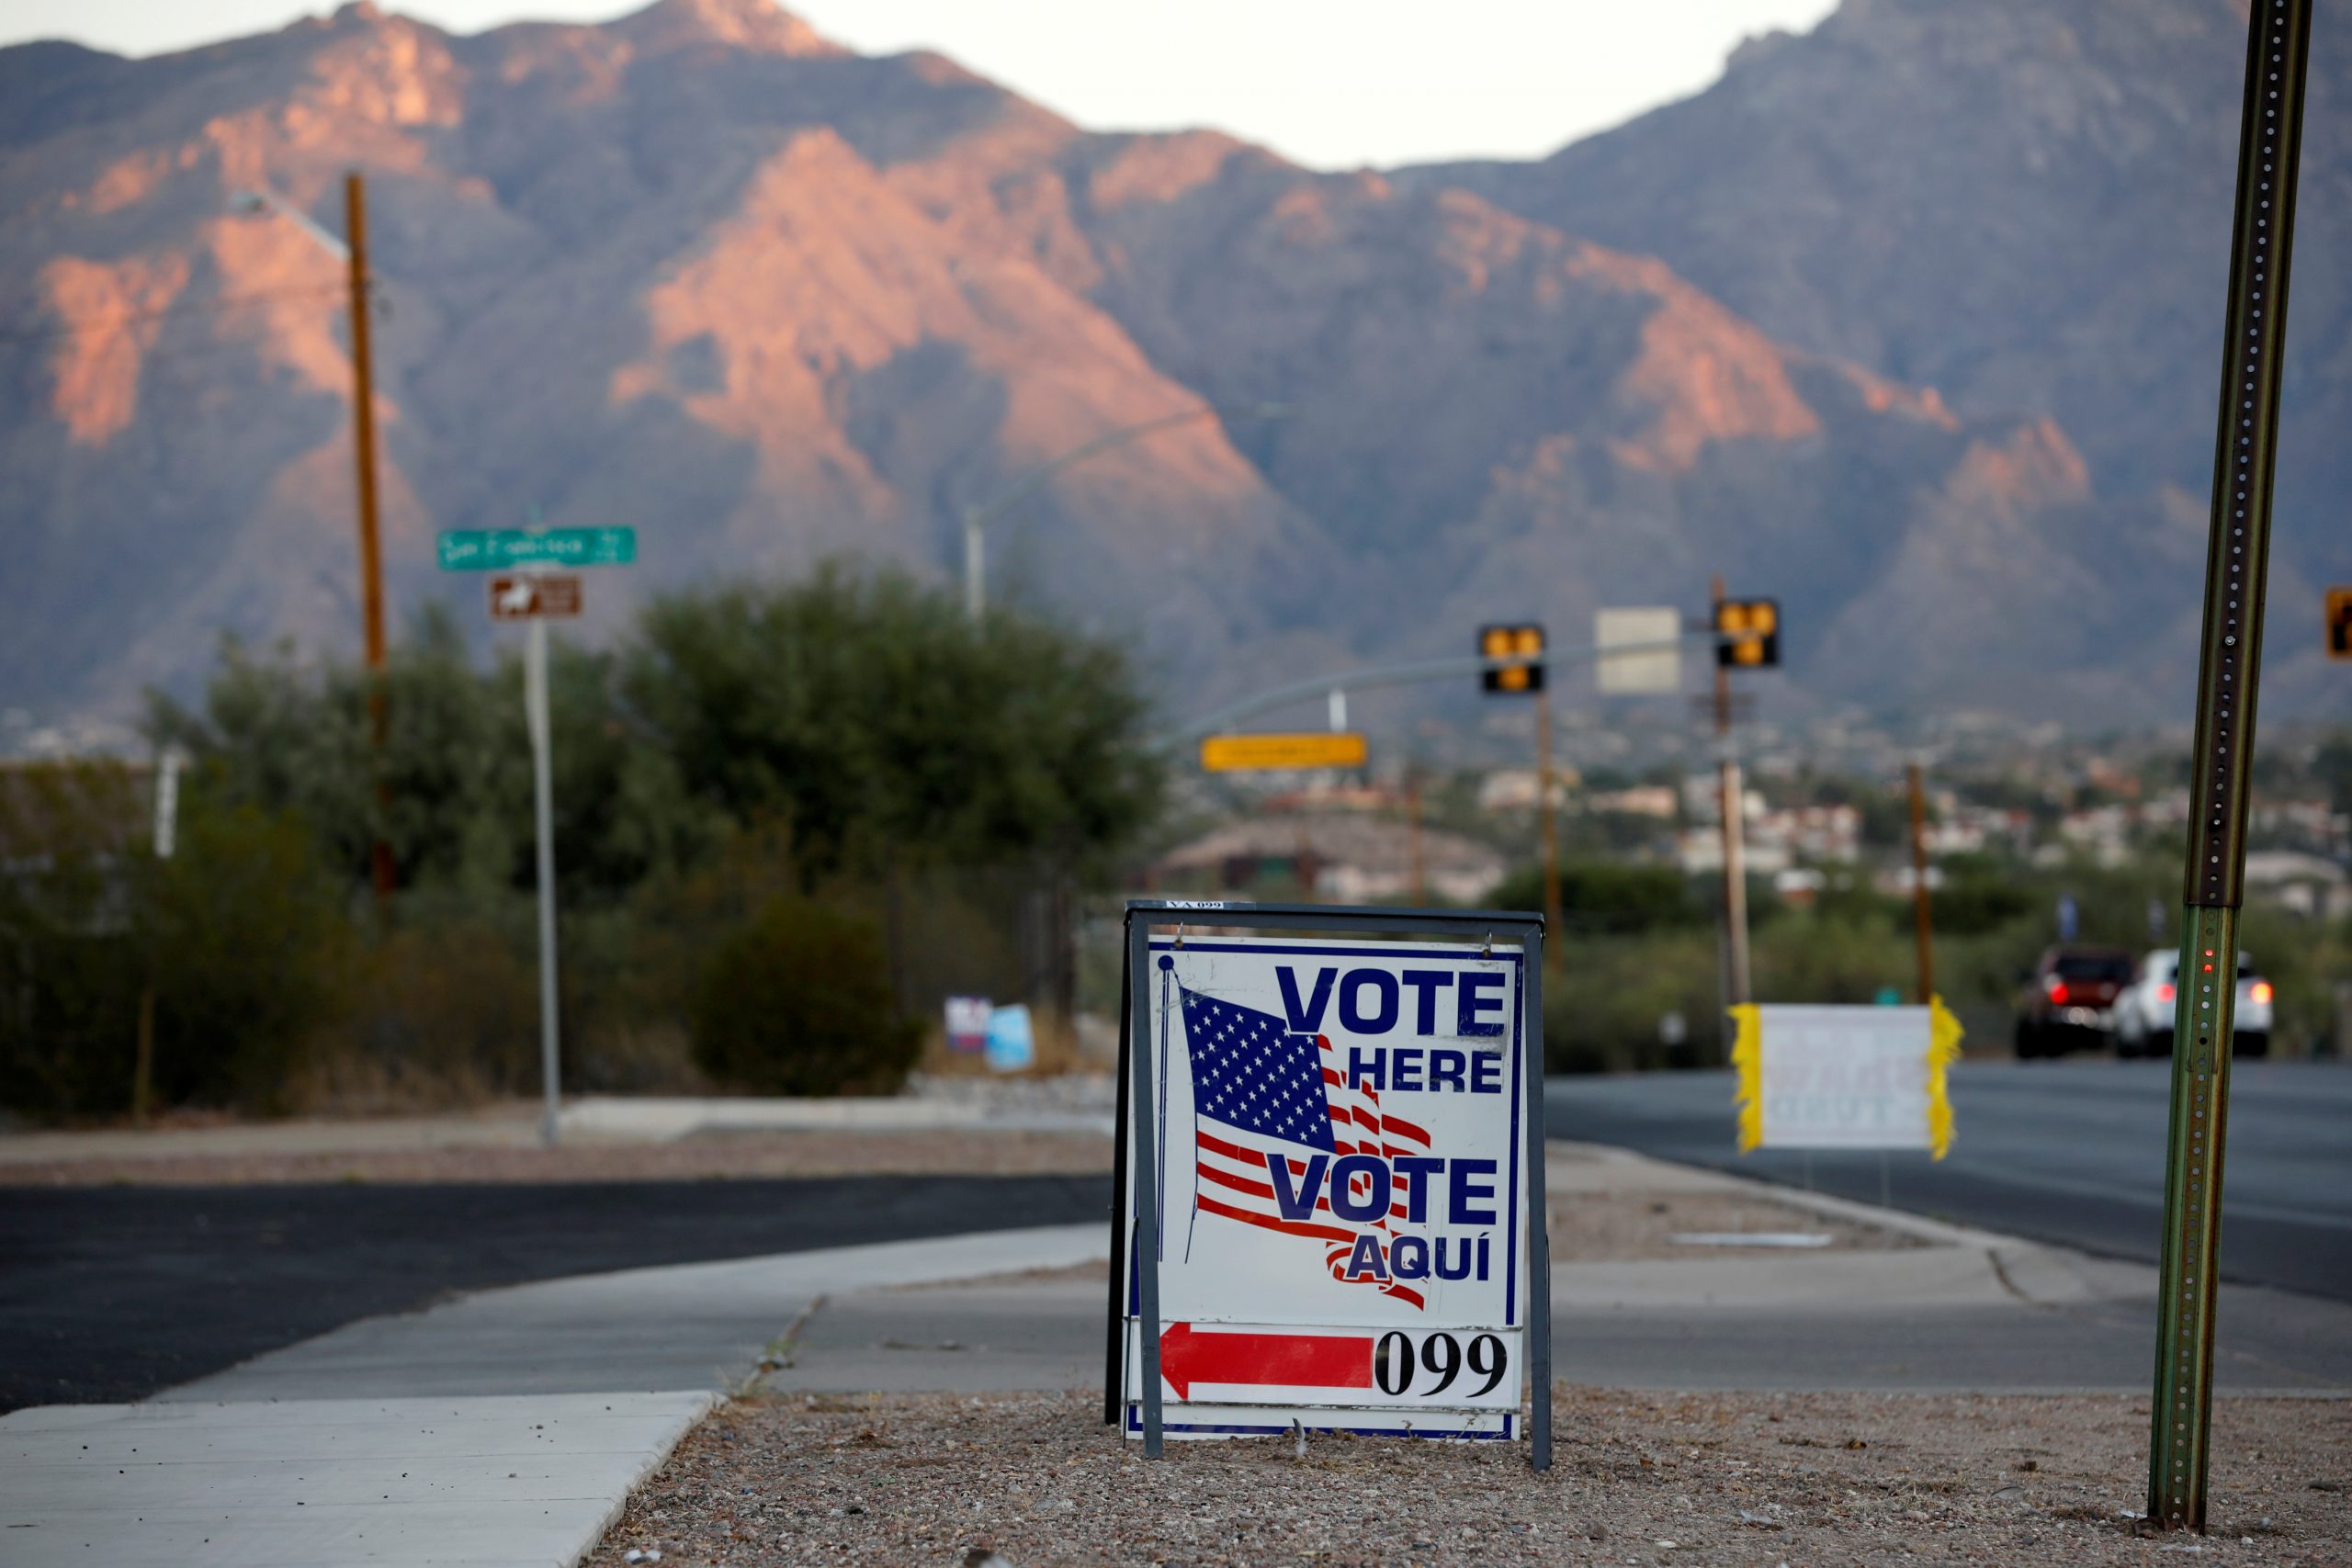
[494, 549]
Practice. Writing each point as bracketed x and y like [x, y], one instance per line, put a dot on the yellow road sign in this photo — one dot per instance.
[1244, 753]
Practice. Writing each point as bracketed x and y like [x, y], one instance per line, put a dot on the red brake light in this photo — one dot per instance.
[2057, 989]
[2259, 991]
[2164, 992]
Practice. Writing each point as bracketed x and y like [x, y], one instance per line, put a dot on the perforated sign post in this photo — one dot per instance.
[1328, 1208]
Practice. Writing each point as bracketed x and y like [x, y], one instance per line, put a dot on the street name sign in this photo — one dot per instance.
[1652, 667]
[1313, 749]
[497, 549]
[1329, 1213]
[522, 597]
[1844, 1077]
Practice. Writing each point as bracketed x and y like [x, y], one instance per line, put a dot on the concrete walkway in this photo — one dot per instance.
[503, 1428]
[322, 1483]
[1964, 1311]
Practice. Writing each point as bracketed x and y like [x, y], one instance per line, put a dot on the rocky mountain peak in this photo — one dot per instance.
[759, 25]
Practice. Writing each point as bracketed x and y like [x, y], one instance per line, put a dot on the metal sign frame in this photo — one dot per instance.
[1136, 1119]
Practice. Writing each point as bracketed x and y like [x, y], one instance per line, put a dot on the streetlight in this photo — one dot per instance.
[353, 253]
[977, 519]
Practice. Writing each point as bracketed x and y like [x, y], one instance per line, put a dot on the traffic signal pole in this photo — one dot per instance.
[1732, 795]
[2236, 563]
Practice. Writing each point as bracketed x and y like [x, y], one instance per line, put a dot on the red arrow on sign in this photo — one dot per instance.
[1293, 1361]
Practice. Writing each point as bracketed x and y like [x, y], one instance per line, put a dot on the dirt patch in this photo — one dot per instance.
[1616, 1227]
[701, 1157]
[1857, 1479]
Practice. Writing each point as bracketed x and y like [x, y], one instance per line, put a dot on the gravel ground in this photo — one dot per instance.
[699, 1158]
[1756, 1479]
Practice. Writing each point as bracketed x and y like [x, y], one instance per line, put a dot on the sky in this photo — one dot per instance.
[1332, 83]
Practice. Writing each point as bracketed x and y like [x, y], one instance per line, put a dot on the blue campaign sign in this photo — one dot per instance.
[495, 549]
[1010, 1045]
[1339, 1187]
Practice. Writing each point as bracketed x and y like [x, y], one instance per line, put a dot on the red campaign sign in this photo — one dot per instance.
[1279, 1360]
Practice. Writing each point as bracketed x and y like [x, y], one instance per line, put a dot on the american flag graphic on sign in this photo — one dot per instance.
[1260, 1089]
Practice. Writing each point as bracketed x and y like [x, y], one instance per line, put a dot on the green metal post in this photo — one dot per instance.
[2236, 563]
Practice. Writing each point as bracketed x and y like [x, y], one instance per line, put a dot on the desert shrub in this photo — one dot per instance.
[798, 1000]
[240, 938]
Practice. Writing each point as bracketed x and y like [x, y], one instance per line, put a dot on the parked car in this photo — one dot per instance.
[2143, 1012]
[2069, 999]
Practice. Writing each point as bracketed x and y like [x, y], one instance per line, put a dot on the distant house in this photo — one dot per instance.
[1347, 857]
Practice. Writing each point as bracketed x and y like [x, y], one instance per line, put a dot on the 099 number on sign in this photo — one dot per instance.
[1438, 1366]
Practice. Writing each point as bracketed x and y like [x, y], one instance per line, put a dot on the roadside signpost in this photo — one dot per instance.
[499, 549]
[1255, 753]
[530, 592]
[1328, 1198]
[516, 597]
[2237, 556]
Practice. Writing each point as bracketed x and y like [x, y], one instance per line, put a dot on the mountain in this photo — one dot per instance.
[702, 271]
[2026, 206]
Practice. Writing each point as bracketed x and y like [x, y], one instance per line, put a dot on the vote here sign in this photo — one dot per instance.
[1341, 1187]
[1844, 1077]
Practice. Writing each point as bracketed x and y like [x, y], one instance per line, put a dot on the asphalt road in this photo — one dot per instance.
[2065, 1152]
[112, 1293]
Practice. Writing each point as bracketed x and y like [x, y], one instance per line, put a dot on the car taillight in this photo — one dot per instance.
[2057, 989]
[2259, 992]
[2164, 992]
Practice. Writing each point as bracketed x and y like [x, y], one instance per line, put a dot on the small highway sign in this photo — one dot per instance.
[517, 597]
[497, 549]
[1313, 749]
[1328, 1220]
[2339, 622]
[1655, 632]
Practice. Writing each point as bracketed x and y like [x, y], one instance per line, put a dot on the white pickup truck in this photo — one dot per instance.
[2144, 1009]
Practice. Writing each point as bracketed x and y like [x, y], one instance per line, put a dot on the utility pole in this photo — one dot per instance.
[535, 712]
[2236, 567]
[1733, 796]
[1923, 919]
[371, 564]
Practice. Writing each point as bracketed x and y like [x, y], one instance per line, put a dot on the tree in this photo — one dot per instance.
[871, 715]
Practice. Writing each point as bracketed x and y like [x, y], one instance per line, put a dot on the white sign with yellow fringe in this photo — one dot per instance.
[1845, 1077]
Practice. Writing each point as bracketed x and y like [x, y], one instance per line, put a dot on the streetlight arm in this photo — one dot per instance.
[270, 201]
[1029, 484]
[1412, 674]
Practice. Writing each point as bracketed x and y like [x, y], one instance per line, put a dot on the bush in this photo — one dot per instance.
[241, 939]
[798, 1001]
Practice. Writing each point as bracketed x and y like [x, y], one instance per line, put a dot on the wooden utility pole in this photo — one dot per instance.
[1547, 816]
[371, 562]
[1923, 921]
[1734, 795]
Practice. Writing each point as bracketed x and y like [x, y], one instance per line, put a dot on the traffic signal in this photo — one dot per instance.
[2339, 622]
[1747, 633]
[1522, 644]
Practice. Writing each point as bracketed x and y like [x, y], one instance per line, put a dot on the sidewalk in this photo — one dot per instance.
[509, 1426]
[503, 1428]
